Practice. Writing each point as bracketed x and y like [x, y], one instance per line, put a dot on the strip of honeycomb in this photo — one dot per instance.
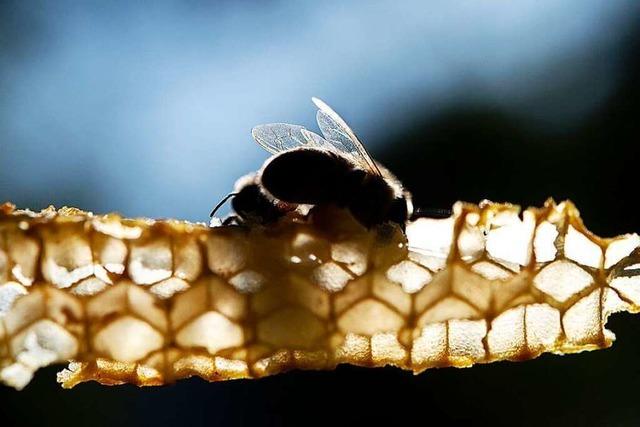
[149, 302]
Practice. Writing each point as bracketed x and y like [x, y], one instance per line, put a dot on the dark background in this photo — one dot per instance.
[147, 109]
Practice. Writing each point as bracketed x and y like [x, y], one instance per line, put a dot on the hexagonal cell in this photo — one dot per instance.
[147, 306]
[439, 287]
[276, 329]
[187, 305]
[351, 348]
[471, 286]
[446, 309]
[248, 281]
[308, 249]
[582, 321]
[229, 368]
[509, 238]
[471, 243]
[465, 341]
[110, 254]
[9, 292]
[16, 375]
[89, 286]
[187, 259]
[331, 277]
[505, 294]
[611, 303]
[150, 261]
[64, 309]
[434, 262]
[25, 310]
[561, 280]
[270, 299]
[108, 303]
[385, 348]
[298, 290]
[620, 248]
[543, 326]
[125, 298]
[168, 288]
[358, 289]
[506, 338]
[431, 240]
[490, 271]
[409, 275]
[67, 256]
[43, 343]
[369, 317]
[430, 345]
[225, 254]
[389, 292]
[111, 225]
[310, 296]
[212, 331]
[273, 363]
[581, 249]
[23, 252]
[211, 368]
[127, 339]
[524, 299]
[310, 359]
[544, 242]
[352, 254]
[226, 299]
[628, 286]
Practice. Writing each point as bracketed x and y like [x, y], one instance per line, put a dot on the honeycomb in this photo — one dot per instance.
[149, 302]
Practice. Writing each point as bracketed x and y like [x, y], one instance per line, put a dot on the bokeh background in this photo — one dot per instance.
[146, 108]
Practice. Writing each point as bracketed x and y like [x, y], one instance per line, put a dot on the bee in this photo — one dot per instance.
[308, 170]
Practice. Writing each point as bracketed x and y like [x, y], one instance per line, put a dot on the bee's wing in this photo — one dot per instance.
[337, 132]
[279, 137]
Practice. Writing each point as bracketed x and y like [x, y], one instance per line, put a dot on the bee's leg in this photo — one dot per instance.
[233, 220]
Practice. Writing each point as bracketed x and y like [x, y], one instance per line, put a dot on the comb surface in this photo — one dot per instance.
[149, 302]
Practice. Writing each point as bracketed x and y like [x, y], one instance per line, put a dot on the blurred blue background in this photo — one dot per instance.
[146, 108]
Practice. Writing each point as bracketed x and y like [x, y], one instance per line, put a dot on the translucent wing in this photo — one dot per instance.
[279, 137]
[336, 131]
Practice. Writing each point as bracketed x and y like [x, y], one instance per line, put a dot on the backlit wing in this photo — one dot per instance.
[337, 132]
[279, 137]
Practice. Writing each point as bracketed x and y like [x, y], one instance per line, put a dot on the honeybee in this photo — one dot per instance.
[307, 170]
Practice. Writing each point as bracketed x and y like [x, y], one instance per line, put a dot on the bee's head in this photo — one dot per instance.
[252, 205]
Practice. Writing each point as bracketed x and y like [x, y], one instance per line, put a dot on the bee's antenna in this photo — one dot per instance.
[222, 202]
